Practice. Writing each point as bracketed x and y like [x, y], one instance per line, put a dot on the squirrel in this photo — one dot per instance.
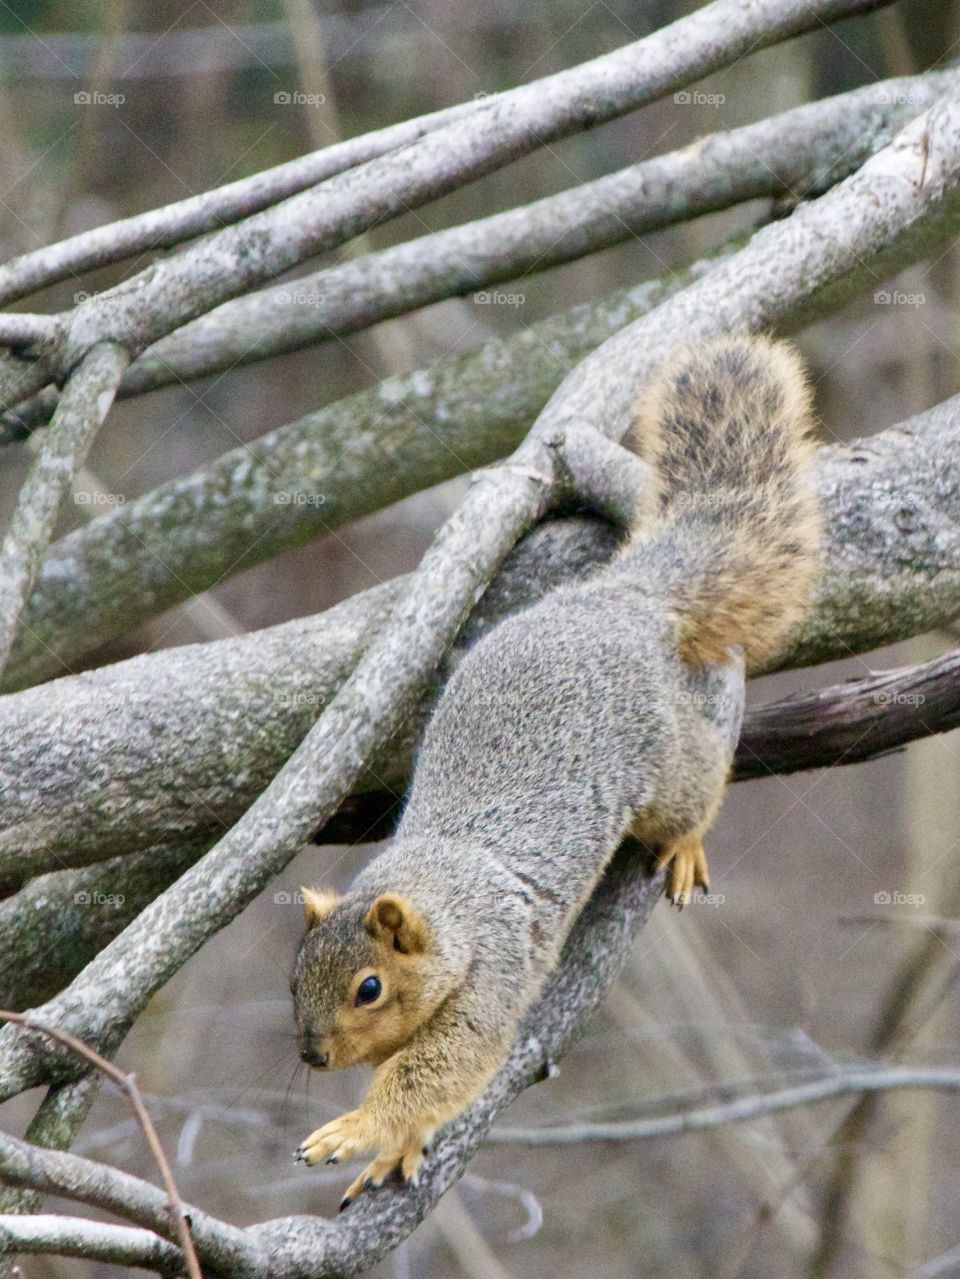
[560, 733]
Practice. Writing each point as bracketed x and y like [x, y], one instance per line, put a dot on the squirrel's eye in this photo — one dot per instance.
[368, 990]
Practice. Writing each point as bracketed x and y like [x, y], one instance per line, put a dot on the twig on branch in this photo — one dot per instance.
[83, 406]
[128, 1084]
[843, 1083]
[795, 153]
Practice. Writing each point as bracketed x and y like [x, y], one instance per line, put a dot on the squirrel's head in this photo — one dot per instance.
[361, 979]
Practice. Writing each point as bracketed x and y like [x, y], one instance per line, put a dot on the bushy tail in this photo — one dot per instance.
[735, 534]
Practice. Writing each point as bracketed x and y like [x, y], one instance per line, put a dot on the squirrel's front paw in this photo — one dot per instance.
[405, 1155]
[340, 1139]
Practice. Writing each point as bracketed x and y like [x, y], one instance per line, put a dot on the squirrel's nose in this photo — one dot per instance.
[313, 1057]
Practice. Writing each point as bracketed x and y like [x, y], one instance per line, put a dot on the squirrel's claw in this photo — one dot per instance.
[405, 1159]
[688, 868]
[339, 1140]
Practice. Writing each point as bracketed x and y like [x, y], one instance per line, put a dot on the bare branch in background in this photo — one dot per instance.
[843, 1083]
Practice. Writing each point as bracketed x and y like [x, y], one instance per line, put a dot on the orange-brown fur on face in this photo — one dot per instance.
[347, 941]
[726, 427]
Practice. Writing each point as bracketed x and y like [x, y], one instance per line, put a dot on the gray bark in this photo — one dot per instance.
[85, 403]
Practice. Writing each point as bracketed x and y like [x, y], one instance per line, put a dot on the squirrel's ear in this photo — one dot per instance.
[399, 924]
[317, 905]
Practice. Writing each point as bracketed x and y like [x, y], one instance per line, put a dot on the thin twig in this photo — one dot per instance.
[842, 1084]
[128, 1083]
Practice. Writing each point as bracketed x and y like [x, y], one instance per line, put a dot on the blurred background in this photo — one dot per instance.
[781, 973]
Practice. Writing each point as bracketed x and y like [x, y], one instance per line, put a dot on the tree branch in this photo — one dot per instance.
[211, 210]
[85, 403]
[90, 1240]
[843, 1083]
[794, 154]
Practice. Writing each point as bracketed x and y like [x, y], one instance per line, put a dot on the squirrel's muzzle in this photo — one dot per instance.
[314, 1057]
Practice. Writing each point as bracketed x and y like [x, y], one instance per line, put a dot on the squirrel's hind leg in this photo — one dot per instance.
[688, 867]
